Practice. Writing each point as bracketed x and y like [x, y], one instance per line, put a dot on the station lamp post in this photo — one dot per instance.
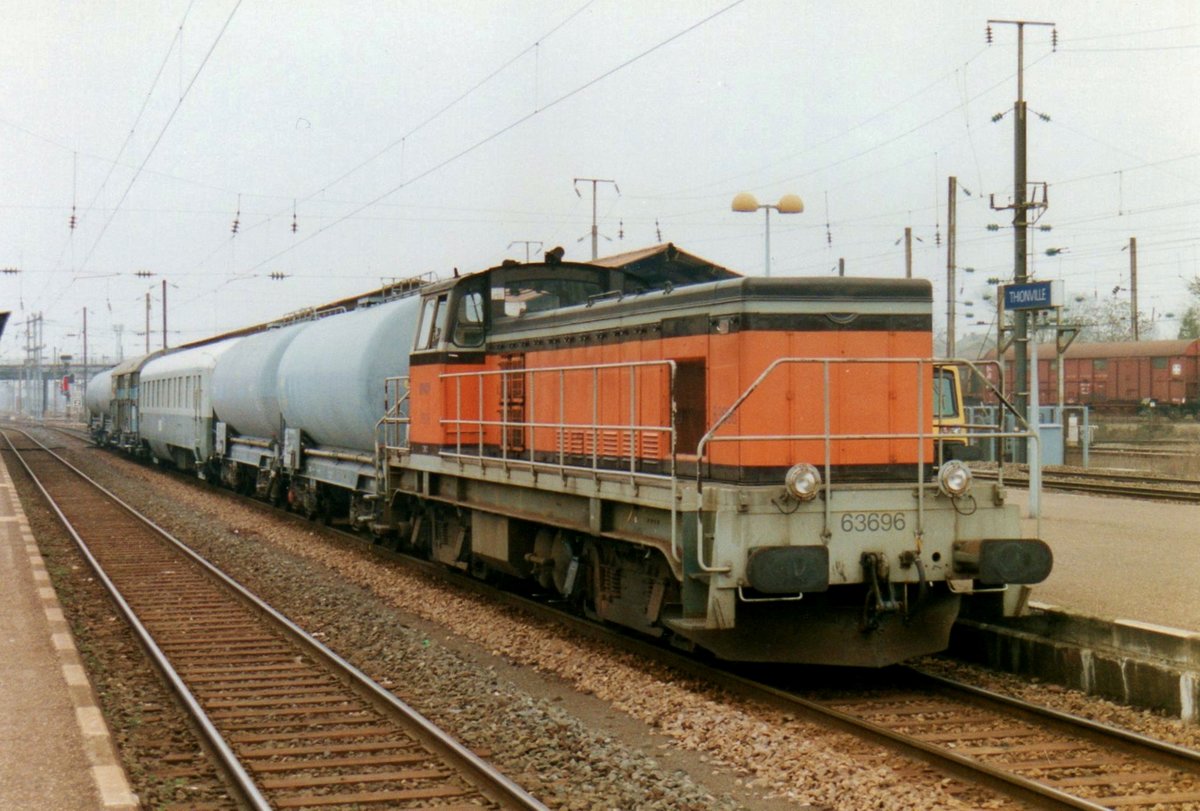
[788, 204]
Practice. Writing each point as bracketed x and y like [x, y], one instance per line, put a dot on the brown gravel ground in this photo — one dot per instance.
[595, 729]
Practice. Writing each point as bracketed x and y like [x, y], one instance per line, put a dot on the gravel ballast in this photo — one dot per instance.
[578, 724]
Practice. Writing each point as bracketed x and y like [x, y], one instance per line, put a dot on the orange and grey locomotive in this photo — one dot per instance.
[745, 465]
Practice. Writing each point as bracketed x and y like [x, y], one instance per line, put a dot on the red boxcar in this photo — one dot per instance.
[1123, 376]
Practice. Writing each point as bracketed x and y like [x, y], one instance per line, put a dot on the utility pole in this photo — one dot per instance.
[527, 243]
[27, 370]
[83, 388]
[1020, 207]
[164, 313]
[908, 252]
[951, 291]
[841, 266]
[595, 181]
[147, 322]
[37, 383]
[1133, 310]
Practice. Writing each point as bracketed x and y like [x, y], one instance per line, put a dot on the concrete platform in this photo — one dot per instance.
[1120, 614]
[55, 748]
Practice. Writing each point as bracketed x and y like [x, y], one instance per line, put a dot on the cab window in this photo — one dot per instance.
[524, 293]
[468, 321]
[429, 333]
[945, 403]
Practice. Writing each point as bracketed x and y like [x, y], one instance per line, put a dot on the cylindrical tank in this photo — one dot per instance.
[99, 393]
[245, 384]
[331, 378]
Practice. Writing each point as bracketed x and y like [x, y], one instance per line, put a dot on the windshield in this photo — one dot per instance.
[945, 401]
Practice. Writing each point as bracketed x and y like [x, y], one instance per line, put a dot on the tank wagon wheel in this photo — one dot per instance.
[277, 492]
[478, 568]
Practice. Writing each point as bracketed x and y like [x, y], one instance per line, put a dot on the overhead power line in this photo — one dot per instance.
[429, 120]
[503, 130]
[141, 111]
[161, 133]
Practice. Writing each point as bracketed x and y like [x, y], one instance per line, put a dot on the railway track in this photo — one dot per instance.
[1108, 483]
[1036, 755]
[293, 725]
[1054, 758]
[1031, 753]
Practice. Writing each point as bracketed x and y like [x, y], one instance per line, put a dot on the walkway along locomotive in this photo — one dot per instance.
[741, 464]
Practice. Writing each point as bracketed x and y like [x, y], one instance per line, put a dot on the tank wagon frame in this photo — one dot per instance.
[747, 465]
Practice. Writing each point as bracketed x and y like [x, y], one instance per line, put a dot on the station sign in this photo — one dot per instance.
[1033, 296]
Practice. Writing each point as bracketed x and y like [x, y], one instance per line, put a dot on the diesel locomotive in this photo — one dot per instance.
[746, 465]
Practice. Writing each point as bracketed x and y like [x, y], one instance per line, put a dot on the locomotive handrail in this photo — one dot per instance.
[827, 437]
[392, 416]
[392, 420]
[595, 428]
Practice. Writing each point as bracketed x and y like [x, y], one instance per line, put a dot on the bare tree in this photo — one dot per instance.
[1107, 320]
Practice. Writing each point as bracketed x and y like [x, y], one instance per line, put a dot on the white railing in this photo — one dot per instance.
[391, 432]
[924, 433]
[587, 446]
[583, 448]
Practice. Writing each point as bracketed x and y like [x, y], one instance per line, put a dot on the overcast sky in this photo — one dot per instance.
[408, 138]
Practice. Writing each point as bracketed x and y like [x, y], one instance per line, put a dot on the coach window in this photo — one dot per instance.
[433, 312]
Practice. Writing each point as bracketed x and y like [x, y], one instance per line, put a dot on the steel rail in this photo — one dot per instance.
[1180, 755]
[221, 749]
[963, 766]
[509, 793]
[1117, 486]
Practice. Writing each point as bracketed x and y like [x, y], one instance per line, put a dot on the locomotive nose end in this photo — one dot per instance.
[995, 561]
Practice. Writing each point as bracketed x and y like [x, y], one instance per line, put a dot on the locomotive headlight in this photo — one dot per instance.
[954, 478]
[803, 482]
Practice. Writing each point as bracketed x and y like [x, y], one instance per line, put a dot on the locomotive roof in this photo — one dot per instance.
[657, 267]
[667, 262]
